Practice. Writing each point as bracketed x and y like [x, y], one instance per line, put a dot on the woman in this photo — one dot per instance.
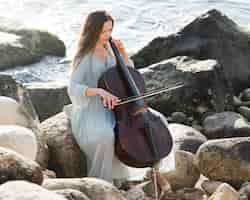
[92, 119]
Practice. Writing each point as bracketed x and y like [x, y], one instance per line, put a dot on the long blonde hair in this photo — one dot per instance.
[90, 34]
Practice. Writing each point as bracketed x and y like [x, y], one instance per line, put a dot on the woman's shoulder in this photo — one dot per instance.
[86, 58]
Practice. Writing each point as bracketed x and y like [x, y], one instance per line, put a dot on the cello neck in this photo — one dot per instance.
[127, 77]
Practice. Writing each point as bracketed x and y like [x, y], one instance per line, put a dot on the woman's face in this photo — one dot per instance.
[106, 32]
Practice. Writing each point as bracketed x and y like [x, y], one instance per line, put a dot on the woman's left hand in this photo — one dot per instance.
[120, 46]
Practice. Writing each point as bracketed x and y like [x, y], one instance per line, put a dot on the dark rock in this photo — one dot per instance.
[202, 85]
[225, 125]
[245, 191]
[210, 36]
[179, 117]
[245, 112]
[48, 98]
[23, 46]
[245, 95]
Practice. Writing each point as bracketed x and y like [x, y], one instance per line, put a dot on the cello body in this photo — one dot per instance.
[142, 138]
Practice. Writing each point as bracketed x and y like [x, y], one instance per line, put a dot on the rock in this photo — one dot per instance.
[136, 193]
[225, 191]
[49, 174]
[16, 190]
[225, 160]
[95, 189]
[179, 117]
[200, 83]
[209, 186]
[11, 113]
[245, 191]
[226, 125]
[190, 194]
[15, 90]
[202, 39]
[245, 96]
[244, 111]
[186, 173]
[16, 114]
[48, 98]
[19, 139]
[186, 138]
[24, 112]
[23, 46]
[14, 166]
[72, 194]
[236, 101]
[66, 158]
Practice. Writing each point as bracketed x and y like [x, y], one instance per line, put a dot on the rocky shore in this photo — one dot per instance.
[208, 117]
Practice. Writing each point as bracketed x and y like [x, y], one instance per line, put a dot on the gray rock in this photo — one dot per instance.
[210, 36]
[202, 86]
[245, 96]
[179, 117]
[244, 111]
[225, 125]
[48, 98]
[20, 45]
[245, 191]
[10, 88]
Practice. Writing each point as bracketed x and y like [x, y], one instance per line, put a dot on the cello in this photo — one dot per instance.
[142, 138]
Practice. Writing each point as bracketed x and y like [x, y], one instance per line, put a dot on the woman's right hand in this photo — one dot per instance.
[109, 100]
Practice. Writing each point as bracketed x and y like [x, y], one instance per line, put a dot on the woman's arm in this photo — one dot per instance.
[78, 86]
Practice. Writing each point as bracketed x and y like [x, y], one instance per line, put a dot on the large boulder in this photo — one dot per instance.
[48, 98]
[15, 113]
[95, 189]
[14, 166]
[204, 90]
[19, 139]
[16, 190]
[211, 36]
[226, 160]
[186, 173]
[9, 87]
[20, 45]
[66, 158]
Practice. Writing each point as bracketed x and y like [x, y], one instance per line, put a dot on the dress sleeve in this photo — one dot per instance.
[78, 84]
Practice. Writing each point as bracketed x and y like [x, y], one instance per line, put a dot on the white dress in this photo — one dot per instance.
[92, 124]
